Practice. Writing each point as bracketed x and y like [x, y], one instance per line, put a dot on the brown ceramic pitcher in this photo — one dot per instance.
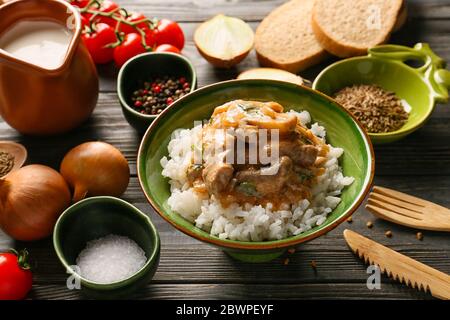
[38, 101]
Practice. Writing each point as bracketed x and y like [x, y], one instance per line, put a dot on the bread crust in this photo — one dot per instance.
[293, 67]
[402, 18]
[267, 58]
[343, 50]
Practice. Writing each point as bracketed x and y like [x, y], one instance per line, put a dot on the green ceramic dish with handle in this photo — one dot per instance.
[420, 87]
[342, 131]
[97, 217]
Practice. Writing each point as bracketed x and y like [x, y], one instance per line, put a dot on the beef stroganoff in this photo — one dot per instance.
[254, 172]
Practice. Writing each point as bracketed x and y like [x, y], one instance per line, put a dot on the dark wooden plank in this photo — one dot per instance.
[202, 264]
[238, 291]
[426, 151]
[253, 10]
[419, 165]
[187, 261]
[434, 32]
[184, 259]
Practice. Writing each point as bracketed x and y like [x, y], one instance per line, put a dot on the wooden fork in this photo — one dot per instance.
[407, 210]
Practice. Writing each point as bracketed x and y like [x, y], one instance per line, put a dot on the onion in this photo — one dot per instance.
[224, 41]
[95, 169]
[31, 200]
[271, 74]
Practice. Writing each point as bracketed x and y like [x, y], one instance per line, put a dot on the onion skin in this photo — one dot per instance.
[222, 63]
[95, 169]
[31, 200]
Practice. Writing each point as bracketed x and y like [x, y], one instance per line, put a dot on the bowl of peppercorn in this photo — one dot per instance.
[149, 83]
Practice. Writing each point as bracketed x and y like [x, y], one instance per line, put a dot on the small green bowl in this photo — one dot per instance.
[142, 68]
[97, 217]
[342, 131]
[421, 88]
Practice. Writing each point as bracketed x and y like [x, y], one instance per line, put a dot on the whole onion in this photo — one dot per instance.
[95, 169]
[31, 200]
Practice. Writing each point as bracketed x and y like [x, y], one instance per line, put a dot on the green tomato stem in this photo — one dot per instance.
[22, 258]
[121, 19]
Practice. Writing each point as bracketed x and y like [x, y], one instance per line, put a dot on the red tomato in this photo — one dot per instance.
[15, 277]
[97, 42]
[79, 3]
[106, 6]
[131, 46]
[84, 21]
[149, 37]
[169, 32]
[134, 17]
[167, 48]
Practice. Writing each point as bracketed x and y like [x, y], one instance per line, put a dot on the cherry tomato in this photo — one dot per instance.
[134, 17]
[97, 42]
[144, 26]
[149, 37]
[167, 48]
[15, 276]
[79, 3]
[106, 6]
[131, 46]
[84, 21]
[169, 32]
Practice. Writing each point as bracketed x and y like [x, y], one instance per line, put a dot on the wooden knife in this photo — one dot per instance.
[400, 267]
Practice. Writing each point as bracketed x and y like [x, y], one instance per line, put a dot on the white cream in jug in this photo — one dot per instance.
[43, 43]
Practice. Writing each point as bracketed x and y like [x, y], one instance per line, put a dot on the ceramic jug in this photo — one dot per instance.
[39, 101]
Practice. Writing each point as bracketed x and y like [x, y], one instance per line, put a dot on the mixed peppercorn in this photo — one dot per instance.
[159, 93]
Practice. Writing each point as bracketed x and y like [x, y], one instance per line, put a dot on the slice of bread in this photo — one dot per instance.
[349, 28]
[402, 17]
[285, 38]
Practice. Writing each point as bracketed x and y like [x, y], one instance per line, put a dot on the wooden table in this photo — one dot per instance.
[419, 165]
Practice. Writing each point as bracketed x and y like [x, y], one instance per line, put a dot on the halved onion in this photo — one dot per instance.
[271, 74]
[224, 41]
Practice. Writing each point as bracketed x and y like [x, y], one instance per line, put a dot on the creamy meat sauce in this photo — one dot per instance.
[301, 156]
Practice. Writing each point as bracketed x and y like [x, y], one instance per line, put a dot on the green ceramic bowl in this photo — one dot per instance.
[142, 68]
[343, 131]
[97, 217]
[421, 88]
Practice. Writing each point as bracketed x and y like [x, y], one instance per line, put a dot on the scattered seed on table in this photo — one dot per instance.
[349, 219]
[369, 224]
[388, 234]
[419, 236]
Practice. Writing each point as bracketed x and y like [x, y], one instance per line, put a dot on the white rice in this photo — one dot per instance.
[251, 223]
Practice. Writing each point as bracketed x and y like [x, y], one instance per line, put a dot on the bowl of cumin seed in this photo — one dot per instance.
[12, 157]
[392, 91]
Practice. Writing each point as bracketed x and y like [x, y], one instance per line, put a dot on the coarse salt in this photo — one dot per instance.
[110, 259]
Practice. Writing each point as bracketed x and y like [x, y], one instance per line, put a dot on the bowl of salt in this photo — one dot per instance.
[108, 247]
